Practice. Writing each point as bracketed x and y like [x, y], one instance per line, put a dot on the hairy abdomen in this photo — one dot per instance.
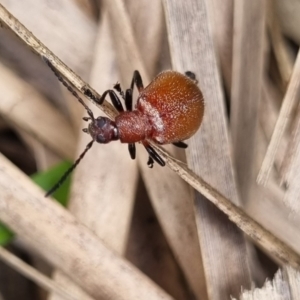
[174, 107]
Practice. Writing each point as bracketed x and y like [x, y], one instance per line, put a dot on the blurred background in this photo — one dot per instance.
[248, 147]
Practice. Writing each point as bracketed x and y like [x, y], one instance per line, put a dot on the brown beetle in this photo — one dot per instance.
[169, 110]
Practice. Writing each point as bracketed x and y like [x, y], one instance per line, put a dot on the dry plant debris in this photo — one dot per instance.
[245, 60]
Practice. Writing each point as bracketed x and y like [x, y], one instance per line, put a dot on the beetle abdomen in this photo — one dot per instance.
[174, 106]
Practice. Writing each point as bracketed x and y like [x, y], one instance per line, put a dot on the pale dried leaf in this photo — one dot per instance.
[34, 275]
[67, 244]
[284, 286]
[247, 74]
[23, 107]
[169, 195]
[289, 101]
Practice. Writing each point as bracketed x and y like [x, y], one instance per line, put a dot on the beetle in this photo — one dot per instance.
[169, 110]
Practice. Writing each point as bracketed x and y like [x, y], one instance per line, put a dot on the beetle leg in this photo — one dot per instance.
[128, 99]
[118, 88]
[132, 150]
[114, 100]
[153, 154]
[113, 97]
[191, 75]
[137, 80]
[127, 96]
[180, 145]
[150, 162]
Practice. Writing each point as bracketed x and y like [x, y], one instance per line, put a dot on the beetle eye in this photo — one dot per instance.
[101, 122]
[101, 139]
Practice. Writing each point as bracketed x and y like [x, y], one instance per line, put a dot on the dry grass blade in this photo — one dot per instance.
[22, 106]
[67, 244]
[117, 11]
[251, 228]
[268, 113]
[171, 199]
[208, 152]
[285, 285]
[103, 200]
[284, 62]
[69, 286]
[221, 12]
[104, 203]
[289, 101]
[61, 25]
[29, 39]
[288, 12]
[34, 275]
[292, 276]
[268, 209]
[292, 195]
[248, 67]
[169, 195]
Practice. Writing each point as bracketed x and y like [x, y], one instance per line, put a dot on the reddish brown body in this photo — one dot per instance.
[170, 109]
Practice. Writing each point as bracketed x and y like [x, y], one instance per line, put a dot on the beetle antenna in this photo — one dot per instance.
[70, 170]
[70, 89]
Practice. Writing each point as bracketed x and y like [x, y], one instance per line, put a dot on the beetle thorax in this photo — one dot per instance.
[133, 126]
